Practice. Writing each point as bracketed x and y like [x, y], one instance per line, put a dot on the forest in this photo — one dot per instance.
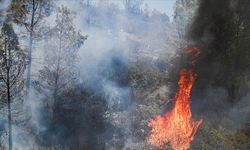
[122, 75]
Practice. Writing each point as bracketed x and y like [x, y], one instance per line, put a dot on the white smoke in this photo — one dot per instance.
[115, 40]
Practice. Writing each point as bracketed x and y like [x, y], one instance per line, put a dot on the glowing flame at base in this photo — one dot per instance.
[176, 126]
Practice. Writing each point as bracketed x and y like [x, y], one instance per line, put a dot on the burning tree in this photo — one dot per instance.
[12, 64]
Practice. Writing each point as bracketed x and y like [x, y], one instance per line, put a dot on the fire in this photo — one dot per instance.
[193, 49]
[177, 126]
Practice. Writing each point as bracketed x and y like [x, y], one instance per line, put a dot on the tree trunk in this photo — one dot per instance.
[9, 118]
[9, 98]
[28, 82]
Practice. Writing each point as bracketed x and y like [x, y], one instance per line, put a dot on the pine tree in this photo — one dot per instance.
[12, 65]
[59, 71]
[30, 13]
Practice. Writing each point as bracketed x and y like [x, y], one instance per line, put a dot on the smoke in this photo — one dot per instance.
[105, 59]
[98, 115]
[211, 20]
[219, 29]
[4, 5]
[97, 112]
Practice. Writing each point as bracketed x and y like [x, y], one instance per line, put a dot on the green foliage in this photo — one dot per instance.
[210, 137]
[22, 11]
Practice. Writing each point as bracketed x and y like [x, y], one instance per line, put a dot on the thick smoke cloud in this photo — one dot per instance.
[219, 29]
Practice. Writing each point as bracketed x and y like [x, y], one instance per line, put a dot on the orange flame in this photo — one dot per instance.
[193, 49]
[177, 126]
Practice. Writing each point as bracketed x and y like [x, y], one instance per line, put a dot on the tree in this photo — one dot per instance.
[183, 15]
[133, 6]
[12, 66]
[60, 71]
[30, 13]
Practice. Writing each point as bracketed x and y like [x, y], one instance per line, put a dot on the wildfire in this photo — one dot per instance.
[177, 126]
